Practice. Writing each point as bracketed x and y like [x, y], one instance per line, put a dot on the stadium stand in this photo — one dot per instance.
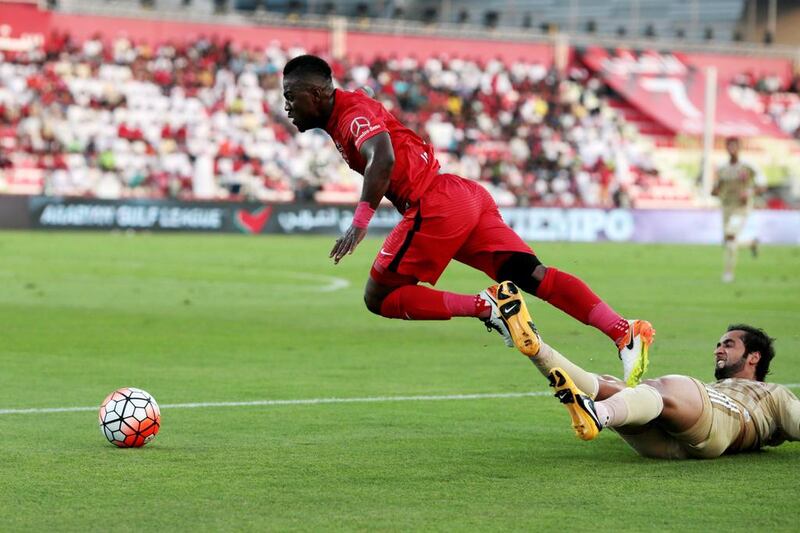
[773, 96]
[204, 120]
[650, 18]
[111, 116]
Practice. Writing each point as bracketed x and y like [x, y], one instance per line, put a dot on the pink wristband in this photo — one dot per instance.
[363, 215]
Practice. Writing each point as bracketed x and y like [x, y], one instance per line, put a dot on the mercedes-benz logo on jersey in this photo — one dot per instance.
[359, 125]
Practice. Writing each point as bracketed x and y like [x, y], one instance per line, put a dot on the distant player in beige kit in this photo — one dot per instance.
[679, 417]
[736, 185]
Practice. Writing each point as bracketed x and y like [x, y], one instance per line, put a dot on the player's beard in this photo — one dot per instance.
[729, 371]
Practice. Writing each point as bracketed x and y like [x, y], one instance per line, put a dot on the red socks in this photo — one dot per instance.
[559, 289]
[417, 302]
[608, 321]
[575, 298]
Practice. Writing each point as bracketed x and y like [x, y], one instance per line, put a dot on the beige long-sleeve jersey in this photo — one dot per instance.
[769, 413]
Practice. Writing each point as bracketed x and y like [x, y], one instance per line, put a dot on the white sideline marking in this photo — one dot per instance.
[310, 401]
[332, 283]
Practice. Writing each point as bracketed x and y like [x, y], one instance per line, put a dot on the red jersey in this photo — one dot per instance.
[355, 118]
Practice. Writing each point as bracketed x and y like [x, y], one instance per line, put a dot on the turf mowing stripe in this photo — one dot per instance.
[309, 401]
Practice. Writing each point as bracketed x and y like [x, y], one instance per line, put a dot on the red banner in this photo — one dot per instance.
[672, 92]
[730, 66]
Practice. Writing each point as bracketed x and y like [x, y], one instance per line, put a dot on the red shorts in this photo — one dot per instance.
[455, 219]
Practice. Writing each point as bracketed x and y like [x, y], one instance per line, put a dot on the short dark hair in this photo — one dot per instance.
[308, 65]
[757, 340]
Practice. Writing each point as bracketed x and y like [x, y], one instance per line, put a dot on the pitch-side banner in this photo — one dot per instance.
[532, 224]
[14, 212]
[698, 226]
[147, 215]
[672, 92]
[227, 217]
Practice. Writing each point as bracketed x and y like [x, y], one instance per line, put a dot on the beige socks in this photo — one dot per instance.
[638, 405]
[548, 358]
[731, 249]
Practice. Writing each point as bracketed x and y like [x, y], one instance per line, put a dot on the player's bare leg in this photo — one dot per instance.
[608, 386]
[735, 230]
[753, 245]
[683, 402]
[673, 402]
[683, 407]
[641, 415]
[729, 258]
[652, 441]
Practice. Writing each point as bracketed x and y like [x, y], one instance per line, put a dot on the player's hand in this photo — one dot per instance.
[347, 243]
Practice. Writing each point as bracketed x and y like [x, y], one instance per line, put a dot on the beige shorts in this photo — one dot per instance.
[719, 426]
[734, 221]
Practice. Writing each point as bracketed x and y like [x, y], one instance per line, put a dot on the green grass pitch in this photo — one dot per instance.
[237, 319]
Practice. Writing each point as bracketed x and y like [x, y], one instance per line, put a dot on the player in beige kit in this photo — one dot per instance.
[736, 186]
[677, 417]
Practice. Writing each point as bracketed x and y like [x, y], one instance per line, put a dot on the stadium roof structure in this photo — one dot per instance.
[544, 21]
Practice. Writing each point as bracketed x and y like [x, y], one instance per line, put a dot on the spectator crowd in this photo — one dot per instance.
[772, 96]
[204, 119]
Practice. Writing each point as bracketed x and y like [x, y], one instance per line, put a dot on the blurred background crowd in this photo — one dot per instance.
[205, 119]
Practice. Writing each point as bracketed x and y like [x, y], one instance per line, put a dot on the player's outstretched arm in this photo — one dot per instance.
[377, 151]
[788, 412]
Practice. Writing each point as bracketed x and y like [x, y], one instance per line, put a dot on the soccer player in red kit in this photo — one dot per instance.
[444, 217]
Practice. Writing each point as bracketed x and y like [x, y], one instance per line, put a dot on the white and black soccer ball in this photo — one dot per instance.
[129, 417]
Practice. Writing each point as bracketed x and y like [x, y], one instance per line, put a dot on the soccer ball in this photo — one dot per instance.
[129, 418]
